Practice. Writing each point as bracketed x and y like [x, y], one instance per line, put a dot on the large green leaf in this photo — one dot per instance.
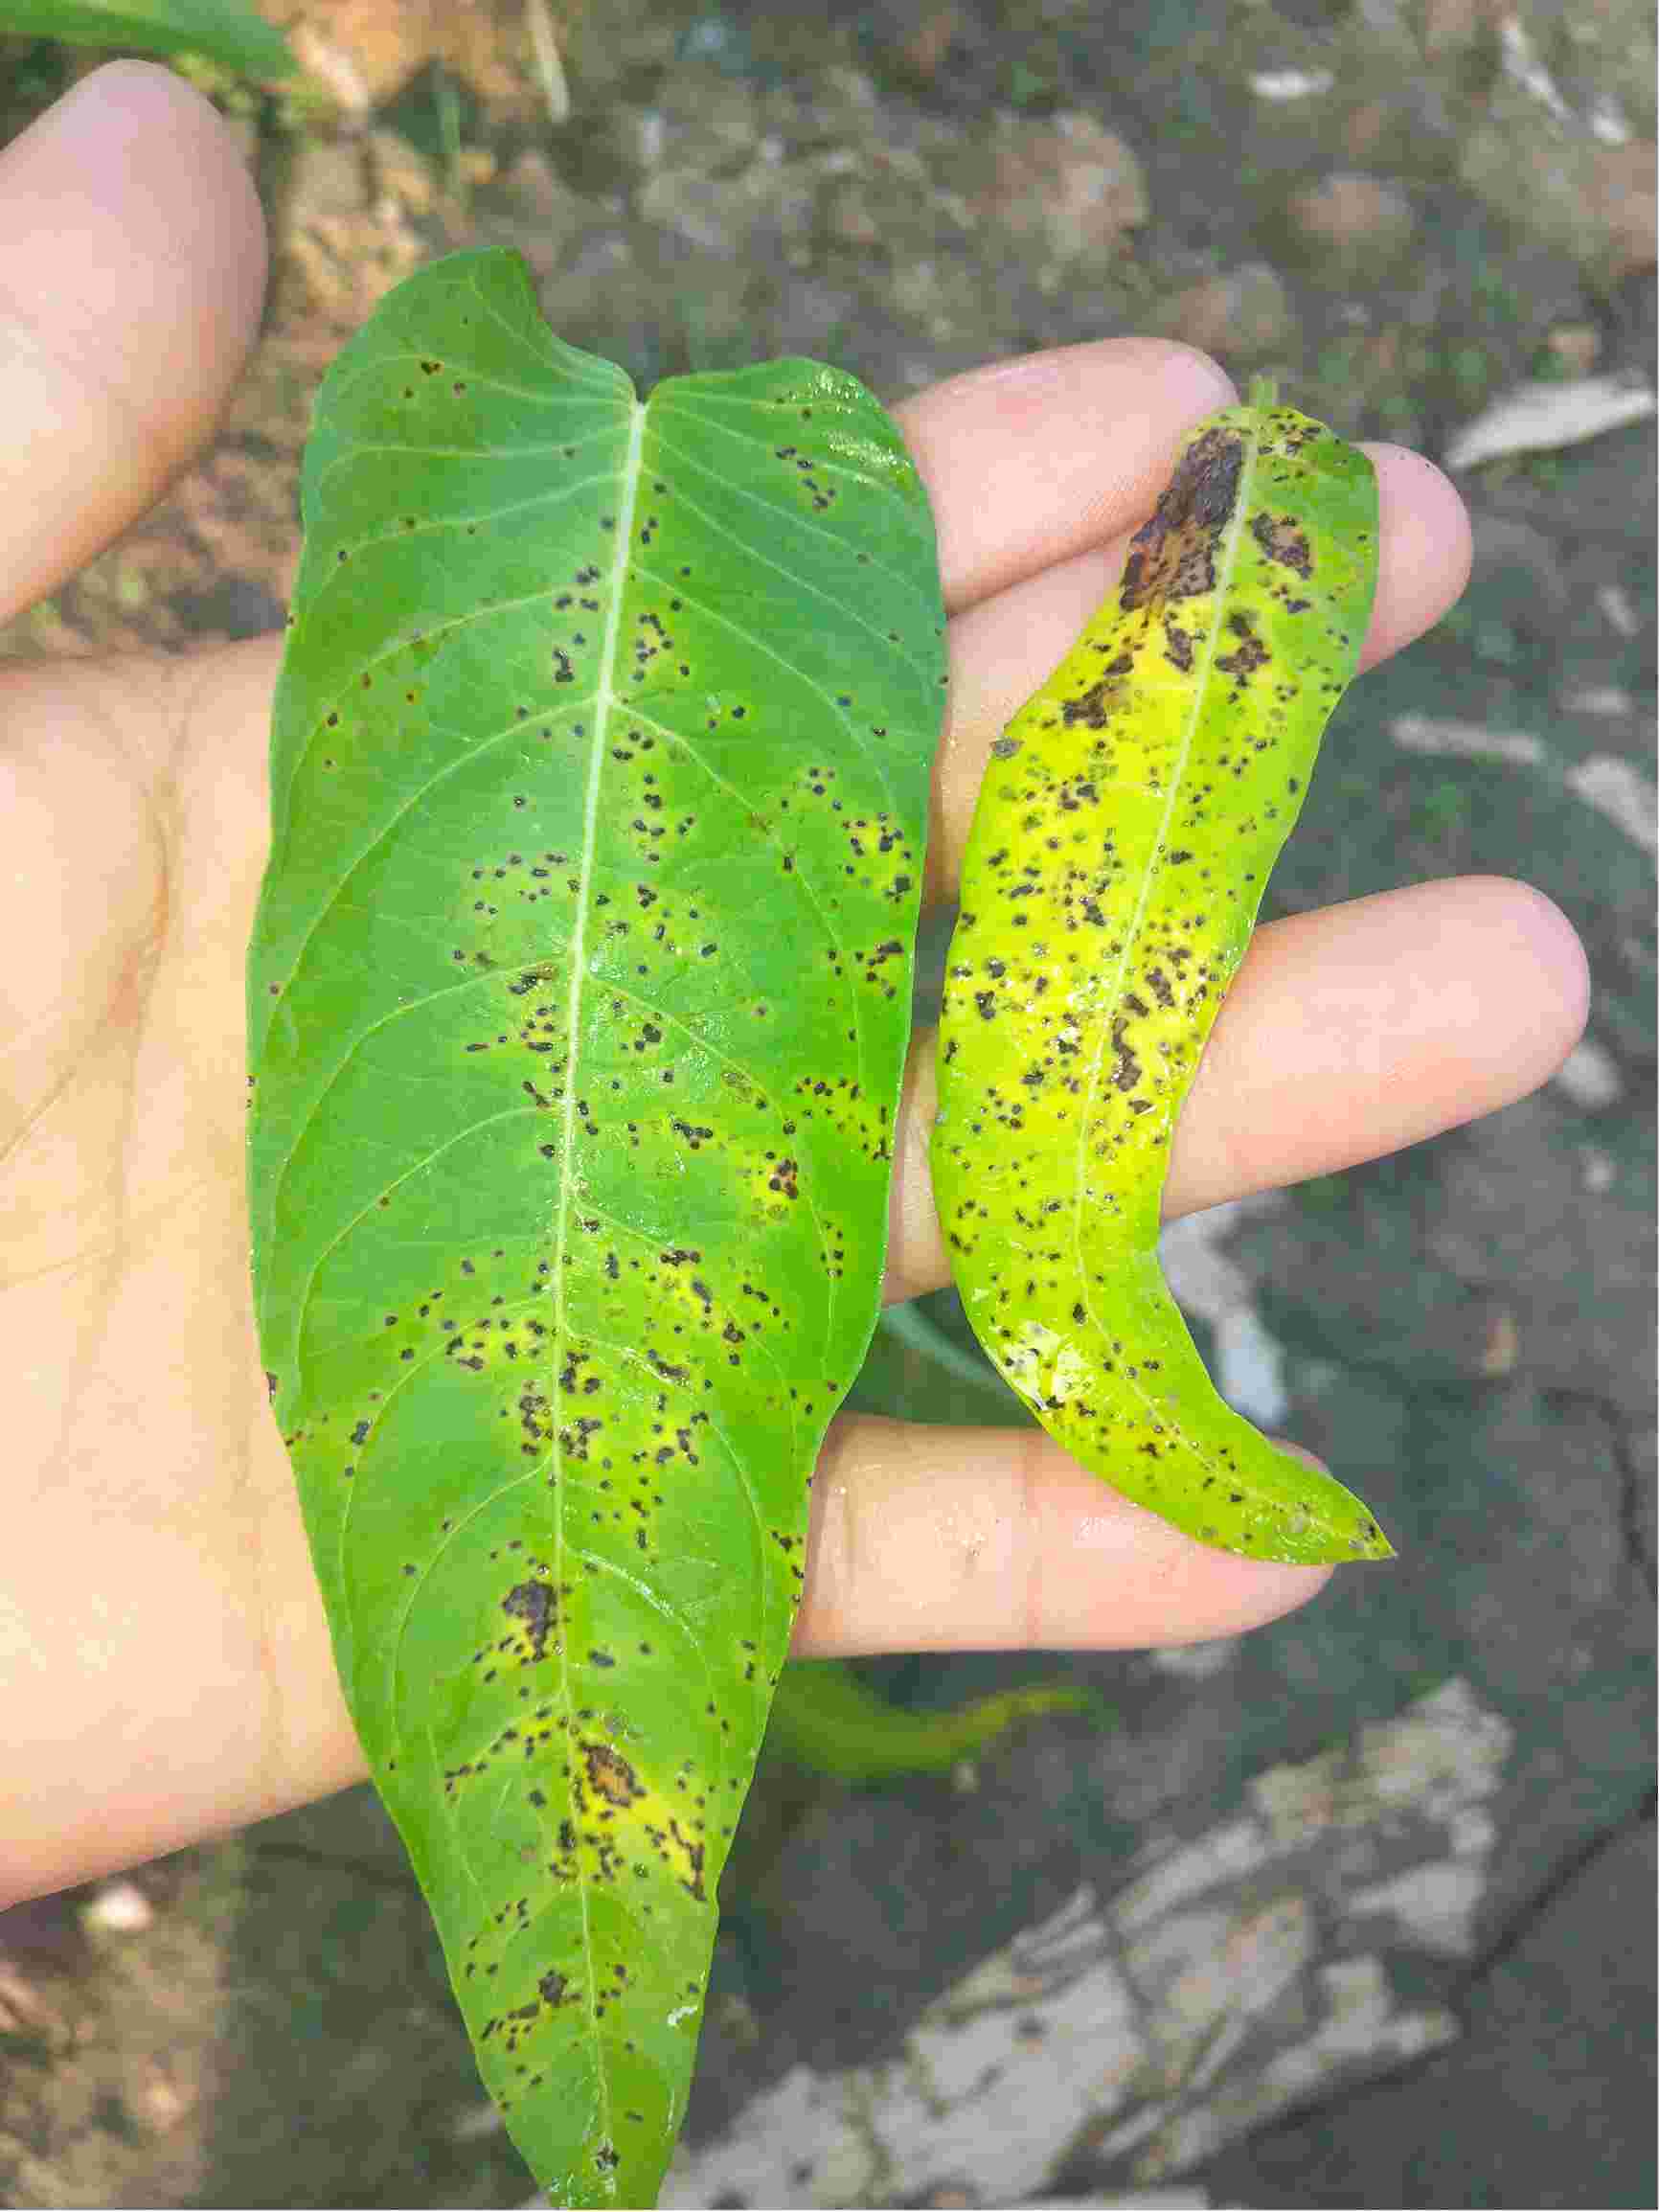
[578, 999]
[226, 29]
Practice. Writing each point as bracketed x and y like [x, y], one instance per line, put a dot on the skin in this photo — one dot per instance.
[162, 1647]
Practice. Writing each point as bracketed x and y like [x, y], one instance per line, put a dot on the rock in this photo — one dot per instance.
[334, 67]
[708, 211]
[1598, 1170]
[1362, 132]
[1576, 346]
[364, 51]
[25, 2013]
[937, 29]
[327, 177]
[1591, 201]
[1352, 221]
[40, 1938]
[1066, 186]
[345, 244]
[1450, 26]
[709, 120]
[1543, 418]
[162, 2101]
[118, 1907]
[722, 214]
[1502, 1348]
[848, 215]
[1623, 180]
[913, 39]
[549, 221]
[536, 189]
[402, 172]
[1242, 314]
[1237, 1974]
[1520, 557]
[1589, 1075]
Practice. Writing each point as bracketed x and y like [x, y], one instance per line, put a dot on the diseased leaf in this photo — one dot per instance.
[578, 999]
[227, 29]
[1124, 836]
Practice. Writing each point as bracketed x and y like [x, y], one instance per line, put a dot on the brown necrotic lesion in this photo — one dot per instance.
[1173, 555]
[611, 1776]
[1282, 540]
[535, 1606]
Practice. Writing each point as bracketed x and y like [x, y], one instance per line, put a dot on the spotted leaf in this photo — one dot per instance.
[578, 998]
[1123, 839]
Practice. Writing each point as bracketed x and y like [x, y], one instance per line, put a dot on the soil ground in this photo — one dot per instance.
[1403, 1840]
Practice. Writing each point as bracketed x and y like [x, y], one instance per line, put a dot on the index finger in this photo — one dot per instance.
[1030, 461]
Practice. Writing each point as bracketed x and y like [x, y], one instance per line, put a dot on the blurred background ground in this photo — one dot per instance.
[1357, 1911]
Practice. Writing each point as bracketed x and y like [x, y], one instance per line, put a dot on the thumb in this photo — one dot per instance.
[133, 266]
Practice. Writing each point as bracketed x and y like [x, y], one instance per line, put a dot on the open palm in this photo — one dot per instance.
[163, 1657]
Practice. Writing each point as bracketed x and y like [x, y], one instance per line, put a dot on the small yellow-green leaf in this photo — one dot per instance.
[1125, 833]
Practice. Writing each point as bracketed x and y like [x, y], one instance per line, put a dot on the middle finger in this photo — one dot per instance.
[1348, 1033]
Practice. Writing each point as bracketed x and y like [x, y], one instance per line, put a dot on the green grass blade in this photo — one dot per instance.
[227, 30]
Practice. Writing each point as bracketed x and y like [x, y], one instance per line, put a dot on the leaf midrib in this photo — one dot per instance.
[1224, 567]
[605, 700]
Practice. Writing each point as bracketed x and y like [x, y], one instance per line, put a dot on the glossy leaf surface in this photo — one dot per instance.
[578, 1000]
[1123, 839]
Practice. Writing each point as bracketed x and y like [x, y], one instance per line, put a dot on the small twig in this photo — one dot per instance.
[548, 65]
[448, 104]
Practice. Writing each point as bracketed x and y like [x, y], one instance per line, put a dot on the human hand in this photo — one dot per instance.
[163, 1652]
